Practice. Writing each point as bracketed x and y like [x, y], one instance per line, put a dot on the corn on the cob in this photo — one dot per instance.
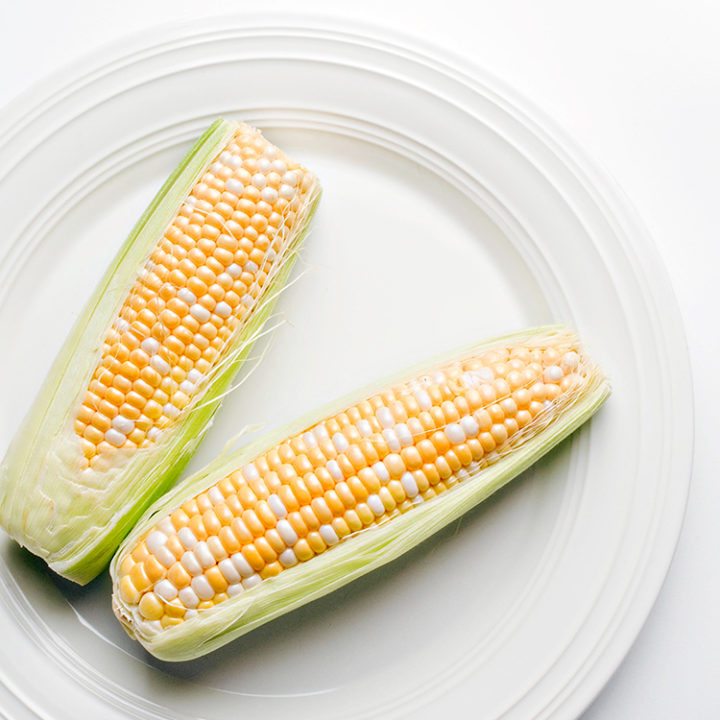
[157, 345]
[332, 496]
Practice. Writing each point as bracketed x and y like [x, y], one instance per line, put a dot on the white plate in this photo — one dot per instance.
[451, 211]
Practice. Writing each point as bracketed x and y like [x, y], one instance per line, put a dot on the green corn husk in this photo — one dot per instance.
[75, 522]
[360, 552]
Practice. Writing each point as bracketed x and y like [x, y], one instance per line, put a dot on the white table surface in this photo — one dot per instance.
[637, 83]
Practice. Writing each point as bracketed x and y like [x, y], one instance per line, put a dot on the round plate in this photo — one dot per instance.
[451, 212]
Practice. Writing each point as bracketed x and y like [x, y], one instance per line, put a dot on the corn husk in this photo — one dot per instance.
[368, 549]
[75, 520]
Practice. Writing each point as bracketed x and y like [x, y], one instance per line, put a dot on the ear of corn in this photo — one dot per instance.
[346, 489]
[146, 364]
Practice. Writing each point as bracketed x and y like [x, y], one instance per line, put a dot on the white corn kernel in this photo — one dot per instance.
[115, 438]
[423, 399]
[187, 538]
[286, 532]
[328, 534]
[188, 598]
[403, 434]
[288, 558]
[200, 313]
[570, 360]
[203, 555]
[381, 471]
[166, 526]
[166, 590]
[392, 440]
[157, 363]
[340, 442]
[170, 410]
[334, 469]
[165, 557]
[321, 433]
[234, 186]
[470, 426]
[553, 373]
[375, 504]
[187, 296]
[250, 473]
[228, 570]
[277, 506]
[242, 565]
[409, 485]
[216, 548]
[223, 310]
[123, 425]
[384, 417]
[286, 192]
[252, 581]
[215, 496]
[202, 588]
[155, 540]
[190, 563]
[455, 433]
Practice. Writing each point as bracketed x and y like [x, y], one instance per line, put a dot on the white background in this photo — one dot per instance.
[637, 83]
